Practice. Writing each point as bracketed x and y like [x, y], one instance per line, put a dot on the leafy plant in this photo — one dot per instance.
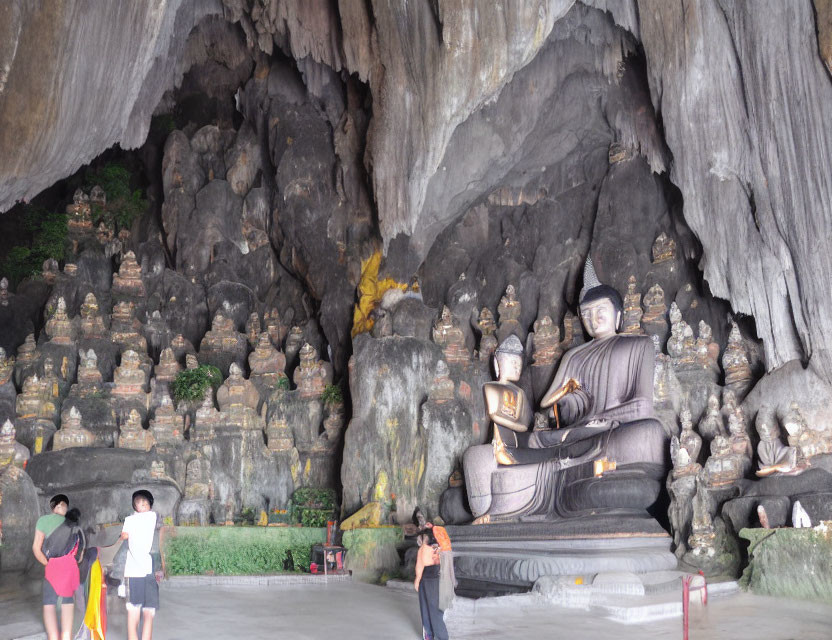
[47, 239]
[314, 507]
[190, 385]
[282, 383]
[332, 394]
[240, 550]
[123, 203]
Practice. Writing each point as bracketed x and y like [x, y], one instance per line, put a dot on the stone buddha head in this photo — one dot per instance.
[508, 359]
[601, 305]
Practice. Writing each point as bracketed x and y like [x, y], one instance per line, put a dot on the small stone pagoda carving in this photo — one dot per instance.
[167, 426]
[266, 363]
[738, 375]
[685, 448]
[707, 351]
[89, 376]
[129, 378]
[79, 214]
[311, 375]
[253, 329]
[72, 434]
[133, 436]
[631, 320]
[274, 327]
[223, 344]
[442, 387]
[27, 353]
[702, 540]
[198, 478]
[128, 280]
[206, 420]
[35, 400]
[125, 328]
[59, 326]
[168, 366]
[6, 367]
[238, 399]
[11, 451]
[711, 424]
[548, 347]
[448, 335]
[92, 324]
[664, 249]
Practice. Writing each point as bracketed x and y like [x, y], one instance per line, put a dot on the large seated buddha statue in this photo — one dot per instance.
[604, 449]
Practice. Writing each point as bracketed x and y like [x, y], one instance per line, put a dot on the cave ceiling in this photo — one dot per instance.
[437, 112]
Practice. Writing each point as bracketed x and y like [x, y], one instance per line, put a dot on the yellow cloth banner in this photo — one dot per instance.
[93, 618]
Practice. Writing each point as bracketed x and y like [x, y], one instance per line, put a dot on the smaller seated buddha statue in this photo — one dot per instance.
[675, 344]
[738, 376]
[711, 425]
[702, 541]
[133, 436]
[448, 335]
[167, 426]
[238, 399]
[29, 400]
[129, 378]
[253, 329]
[6, 367]
[72, 434]
[547, 344]
[723, 467]
[168, 366]
[28, 353]
[59, 326]
[266, 363]
[808, 442]
[684, 449]
[707, 351]
[508, 312]
[664, 248]
[50, 271]
[442, 387]
[4, 292]
[488, 334]
[128, 280]
[740, 442]
[631, 321]
[775, 458]
[311, 375]
[223, 344]
[98, 197]
[198, 478]
[125, 329]
[105, 233]
[50, 382]
[12, 453]
[333, 427]
[274, 327]
[294, 342]
[92, 324]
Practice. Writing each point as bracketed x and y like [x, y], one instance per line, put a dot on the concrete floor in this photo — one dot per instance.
[354, 610]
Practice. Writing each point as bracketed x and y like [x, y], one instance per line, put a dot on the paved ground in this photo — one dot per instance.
[359, 611]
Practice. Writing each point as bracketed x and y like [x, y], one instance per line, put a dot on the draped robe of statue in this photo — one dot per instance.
[610, 416]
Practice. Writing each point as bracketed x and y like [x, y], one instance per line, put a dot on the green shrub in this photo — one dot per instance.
[47, 239]
[332, 394]
[190, 385]
[314, 507]
[240, 550]
[282, 383]
[123, 203]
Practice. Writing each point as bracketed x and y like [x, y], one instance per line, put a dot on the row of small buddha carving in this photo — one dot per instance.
[731, 452]
[684, 350]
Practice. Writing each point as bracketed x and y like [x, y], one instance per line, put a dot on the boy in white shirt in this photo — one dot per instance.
[143, 590]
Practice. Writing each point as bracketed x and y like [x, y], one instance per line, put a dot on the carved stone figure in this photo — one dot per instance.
[442, 388]
[548, 347]
[72, 434]
[294, 341]
[654, 320]
[35, 400]
[4, 292]
[312, 374]
[775, 457]
[724, 466]
[266, 362]
[664, 248]
[275, 327]
[168, 367]
[223, 344]
[238, 399]
[488, 331]
[684, 449]
[128, 280]
[198, 478]
[50, 271]
[28, 351]
[526, 473]
[707, 351]
[631, 322]
[448, 335]
[89, 376]
[703, 537]
[508, 312]
[79, 214]
[738, 375]
[711, 424]
[808, 442]
[92, 324]
[167, 426]
[11, 451]
[125, 328]
[129, 378]
[206, 419]
[59, 326]
[6, 367]
[253, 328]
[133, 436]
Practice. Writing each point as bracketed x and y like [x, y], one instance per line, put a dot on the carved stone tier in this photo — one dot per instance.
[279, 435]
[128, 280]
